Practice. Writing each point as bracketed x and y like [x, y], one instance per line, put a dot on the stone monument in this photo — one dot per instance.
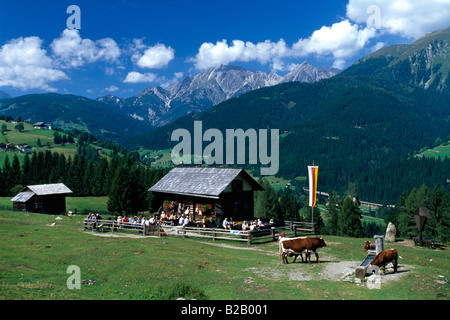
[390, 232]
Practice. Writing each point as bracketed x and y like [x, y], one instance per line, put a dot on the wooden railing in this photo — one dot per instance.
[263, 234]
[101, 225]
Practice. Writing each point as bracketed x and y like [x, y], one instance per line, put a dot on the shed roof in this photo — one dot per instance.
[41, 190]
[47, 189]
[23, 196]
[202, 182]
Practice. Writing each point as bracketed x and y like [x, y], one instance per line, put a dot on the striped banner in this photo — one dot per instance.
[312, 175]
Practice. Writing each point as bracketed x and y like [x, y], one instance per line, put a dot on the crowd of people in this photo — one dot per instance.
[152, 220]
[244, 226]
[182, 219]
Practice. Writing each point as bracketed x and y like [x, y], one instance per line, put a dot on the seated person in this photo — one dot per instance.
[226, 224]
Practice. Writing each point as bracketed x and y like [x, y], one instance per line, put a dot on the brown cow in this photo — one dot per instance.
[384, 257]
[295, 246]
[369, 246]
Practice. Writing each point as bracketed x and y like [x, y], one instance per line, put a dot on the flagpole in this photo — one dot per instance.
[312, 211]
[312, 193]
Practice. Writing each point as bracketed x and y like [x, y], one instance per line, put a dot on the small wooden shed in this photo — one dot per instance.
[209, 192]
[43, 198]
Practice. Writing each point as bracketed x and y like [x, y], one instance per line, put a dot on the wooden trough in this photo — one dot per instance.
[365, 268]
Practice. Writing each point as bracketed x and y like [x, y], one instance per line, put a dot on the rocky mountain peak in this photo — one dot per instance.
[201, 91]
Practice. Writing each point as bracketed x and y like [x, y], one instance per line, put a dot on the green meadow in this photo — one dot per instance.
[439, 151]
[35, 255]
[30, 136]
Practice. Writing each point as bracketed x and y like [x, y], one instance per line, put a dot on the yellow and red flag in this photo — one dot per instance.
[312, 174]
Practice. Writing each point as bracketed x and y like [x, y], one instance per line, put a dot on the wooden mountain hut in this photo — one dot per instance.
[207, 193]
[43, 198]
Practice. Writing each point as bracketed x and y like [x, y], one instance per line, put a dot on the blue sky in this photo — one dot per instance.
[124, 47]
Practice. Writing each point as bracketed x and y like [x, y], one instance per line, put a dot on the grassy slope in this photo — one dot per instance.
[29, 136]
[439, 151]
[35, 257]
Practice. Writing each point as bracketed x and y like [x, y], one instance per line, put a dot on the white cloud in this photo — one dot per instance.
[137, 77]
[211, 55]
[155, 57]
[410, 19]
[111, 88]
[341, 41]
[73, 51]
[25, 65]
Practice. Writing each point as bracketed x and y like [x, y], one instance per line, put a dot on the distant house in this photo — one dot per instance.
[42, 125]
[217, 192]
[23, 147]
[10, 146]
[44, 198]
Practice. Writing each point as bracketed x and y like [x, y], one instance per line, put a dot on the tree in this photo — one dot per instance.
[350, 219]
[266, 203]
[99, 187]
[332, 213]
[408, 205]
[289, 205]
[127, 194]
[2, 184]
[15, 174]
[438, 204]
[7, 175]
[19, 127]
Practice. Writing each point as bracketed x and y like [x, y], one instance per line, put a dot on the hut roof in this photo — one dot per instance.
[46, 189]
[41, 190]
[203, 182]
[23, 196]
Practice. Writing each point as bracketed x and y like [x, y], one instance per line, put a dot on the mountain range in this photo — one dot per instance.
[4, 95]
[119, 119]
[196, 93]
[363, 125]
[424, 63]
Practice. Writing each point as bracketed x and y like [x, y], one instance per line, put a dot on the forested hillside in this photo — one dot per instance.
[355, 128]
[74, 112]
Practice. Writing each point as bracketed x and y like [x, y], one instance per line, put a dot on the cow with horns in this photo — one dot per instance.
[384, 257]
[289, 247]
[369, 246]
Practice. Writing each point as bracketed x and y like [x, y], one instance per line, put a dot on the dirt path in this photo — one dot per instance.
[334, 270]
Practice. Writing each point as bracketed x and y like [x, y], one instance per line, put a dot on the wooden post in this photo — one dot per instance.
[249, 238]
[214, 234]
[272, 231]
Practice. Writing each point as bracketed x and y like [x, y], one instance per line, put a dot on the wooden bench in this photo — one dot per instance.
[431, 243]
